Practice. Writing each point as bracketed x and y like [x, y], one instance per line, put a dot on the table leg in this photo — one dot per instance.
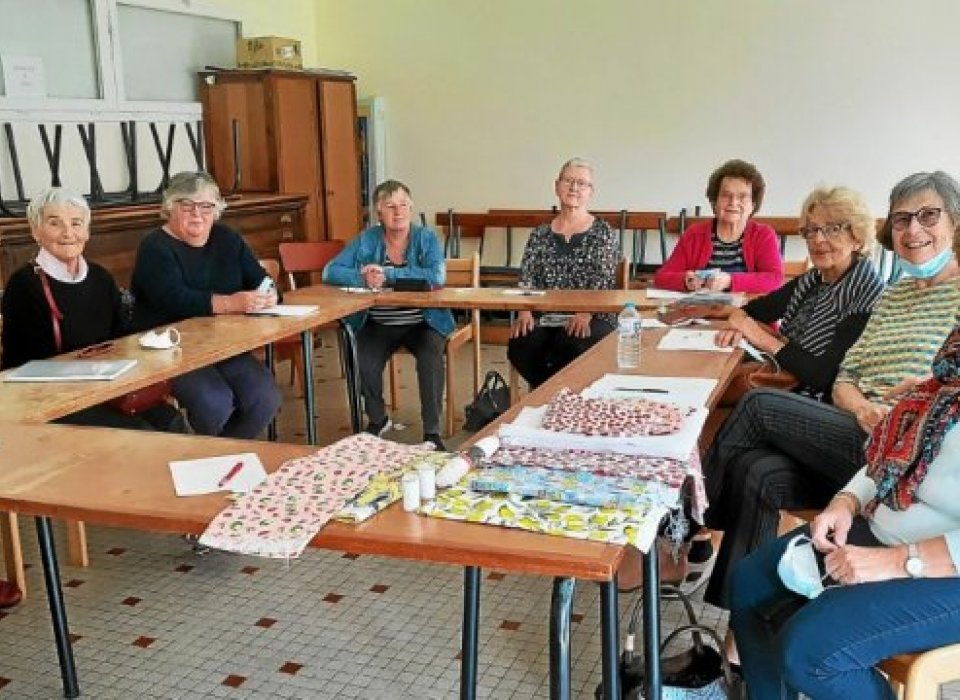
[470, 640]
[12, 552]
[348, 345]
[58, 611]
[610, 640]
[306, 338]
[268, 361]
[651, 621]
[561, 607]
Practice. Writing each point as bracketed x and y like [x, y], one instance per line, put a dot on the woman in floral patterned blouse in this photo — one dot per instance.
[575, 250]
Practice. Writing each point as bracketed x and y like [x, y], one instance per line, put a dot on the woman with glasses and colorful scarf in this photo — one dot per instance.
[194, 266]
[783, 450]
[576, 250]
[730, 252]
[889, 542]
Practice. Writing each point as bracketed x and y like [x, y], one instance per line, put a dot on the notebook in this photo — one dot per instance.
[69, 370]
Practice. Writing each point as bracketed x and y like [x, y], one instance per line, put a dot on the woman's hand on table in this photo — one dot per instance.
[579, 325]
[692, 281]
[718, 282]
[523, 325]
[727, 338]
[373, 276]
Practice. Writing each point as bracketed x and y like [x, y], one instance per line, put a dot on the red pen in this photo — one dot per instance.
[234, 470]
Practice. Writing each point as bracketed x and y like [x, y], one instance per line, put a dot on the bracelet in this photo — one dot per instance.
[849, 498]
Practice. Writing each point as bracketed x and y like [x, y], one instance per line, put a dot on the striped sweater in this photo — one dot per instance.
[908, 326]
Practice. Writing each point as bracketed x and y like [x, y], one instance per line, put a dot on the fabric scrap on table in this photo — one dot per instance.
[384, 488]
[569, 412]
[280, 516]
[636, 524]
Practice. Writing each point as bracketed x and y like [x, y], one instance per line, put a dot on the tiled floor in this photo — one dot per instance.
[151, 619]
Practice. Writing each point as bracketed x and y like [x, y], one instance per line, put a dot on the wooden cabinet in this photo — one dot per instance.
[287, 132]
[264, 220]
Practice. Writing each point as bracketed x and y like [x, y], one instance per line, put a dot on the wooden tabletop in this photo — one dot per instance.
[121, 478]
[203, 342]
[486, 299]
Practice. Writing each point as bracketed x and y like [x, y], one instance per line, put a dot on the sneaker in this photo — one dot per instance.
[435, 439]
[379, 428]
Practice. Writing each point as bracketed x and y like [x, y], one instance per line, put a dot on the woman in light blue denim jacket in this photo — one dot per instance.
[396, 249]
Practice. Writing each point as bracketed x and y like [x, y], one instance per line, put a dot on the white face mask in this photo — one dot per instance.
[160, 340]
[799, 570]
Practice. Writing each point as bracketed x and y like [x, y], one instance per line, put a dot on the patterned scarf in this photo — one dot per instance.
[909, 437]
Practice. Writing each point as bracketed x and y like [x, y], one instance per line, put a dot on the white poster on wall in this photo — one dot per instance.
[23, 76]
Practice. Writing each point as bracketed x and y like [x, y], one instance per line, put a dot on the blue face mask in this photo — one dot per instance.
[798, 568]
[930, 268]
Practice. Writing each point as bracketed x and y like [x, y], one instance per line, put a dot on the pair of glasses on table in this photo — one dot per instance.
[95, 350]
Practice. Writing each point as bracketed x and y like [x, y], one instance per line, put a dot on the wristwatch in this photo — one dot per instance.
[914, 564]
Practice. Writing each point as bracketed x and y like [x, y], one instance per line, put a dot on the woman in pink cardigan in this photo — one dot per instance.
[730, 252]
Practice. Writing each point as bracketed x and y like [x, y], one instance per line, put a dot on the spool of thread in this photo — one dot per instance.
[483, 448]
[428, 481]
[410, 486]
[452, 472]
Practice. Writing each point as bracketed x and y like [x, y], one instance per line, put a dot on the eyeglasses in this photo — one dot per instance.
[574, 183]
[926, 216]
[95, 350]
[190, 206]
[829, 231]
[740, 197]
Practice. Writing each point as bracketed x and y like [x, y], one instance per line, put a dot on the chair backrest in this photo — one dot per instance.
[307, 257]
[463, 272]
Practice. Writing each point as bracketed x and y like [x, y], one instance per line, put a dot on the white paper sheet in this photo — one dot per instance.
[286, 310]
[653, 293]
[681, 391]
[523, 292]
[193, 477]
[685, 339]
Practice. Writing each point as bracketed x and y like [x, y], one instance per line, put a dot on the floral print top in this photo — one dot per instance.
[587, 261]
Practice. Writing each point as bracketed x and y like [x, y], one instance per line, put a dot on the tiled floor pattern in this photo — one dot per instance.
[151, 619]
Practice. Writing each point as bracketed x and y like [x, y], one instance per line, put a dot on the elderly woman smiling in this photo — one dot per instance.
[730, 252]
[193, 266]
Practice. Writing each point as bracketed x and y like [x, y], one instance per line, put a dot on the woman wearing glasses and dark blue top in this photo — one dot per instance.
[193, 266]
[784, 450]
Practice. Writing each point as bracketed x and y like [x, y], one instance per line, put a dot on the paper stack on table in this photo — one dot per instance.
[681, 391]
[685, 339]
[194, 477]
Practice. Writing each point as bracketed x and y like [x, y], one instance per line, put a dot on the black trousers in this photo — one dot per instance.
[543, 352]
[776, 450]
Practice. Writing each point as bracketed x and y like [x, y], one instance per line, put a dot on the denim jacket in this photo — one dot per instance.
[424, 261]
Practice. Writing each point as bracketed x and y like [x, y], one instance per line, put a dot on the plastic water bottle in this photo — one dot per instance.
[628, 339]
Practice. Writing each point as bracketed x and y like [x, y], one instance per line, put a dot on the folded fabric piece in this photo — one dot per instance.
[678, 476]
[568, 412]
[384, 488]
[281, 515]
[577, 487]
[636, 524]
[527, 431]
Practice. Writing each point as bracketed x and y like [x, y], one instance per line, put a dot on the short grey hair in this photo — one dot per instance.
[55, 195]
[187, 184]
[912, 185]
[388, 188]
[576, 163]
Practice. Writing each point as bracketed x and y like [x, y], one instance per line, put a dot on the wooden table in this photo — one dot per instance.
[83, 473]
[487, 299]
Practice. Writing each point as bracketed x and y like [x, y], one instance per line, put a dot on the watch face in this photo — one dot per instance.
[914, 567]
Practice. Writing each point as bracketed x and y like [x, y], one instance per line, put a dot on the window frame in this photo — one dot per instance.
[113, 105]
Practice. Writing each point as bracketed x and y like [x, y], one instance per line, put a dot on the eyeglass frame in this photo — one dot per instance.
[571, 182]
[829, 231]
[900, 220]
[189, 205]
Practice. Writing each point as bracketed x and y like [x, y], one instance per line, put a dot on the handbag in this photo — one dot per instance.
[757, 375]
[699, 672]
[129, 404]
[491, 401]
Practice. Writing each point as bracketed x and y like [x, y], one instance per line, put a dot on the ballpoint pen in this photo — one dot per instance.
[641, 390]
[234, 470]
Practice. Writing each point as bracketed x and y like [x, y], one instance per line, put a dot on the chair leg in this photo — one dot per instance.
[297, 372]
[451, 400]
[392, 371]
[514, 385]
[77, 543]
[12, 553]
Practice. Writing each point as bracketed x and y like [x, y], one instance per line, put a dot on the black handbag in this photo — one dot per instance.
[491, 401]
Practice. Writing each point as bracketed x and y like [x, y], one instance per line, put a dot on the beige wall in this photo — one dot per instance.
[484, 100]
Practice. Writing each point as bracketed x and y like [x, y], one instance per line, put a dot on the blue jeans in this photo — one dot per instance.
[234, 398]
[828, 648]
